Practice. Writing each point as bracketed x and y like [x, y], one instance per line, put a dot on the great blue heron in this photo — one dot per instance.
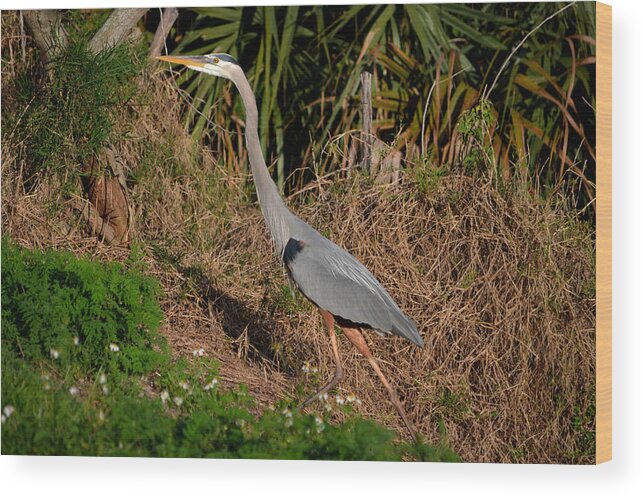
[341, 287]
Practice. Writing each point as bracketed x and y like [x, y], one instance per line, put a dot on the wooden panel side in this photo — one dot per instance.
[603, 232]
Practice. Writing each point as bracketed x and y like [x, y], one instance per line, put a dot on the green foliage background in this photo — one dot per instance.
[304, 64]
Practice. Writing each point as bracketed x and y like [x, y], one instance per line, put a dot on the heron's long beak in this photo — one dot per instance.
[187, 60]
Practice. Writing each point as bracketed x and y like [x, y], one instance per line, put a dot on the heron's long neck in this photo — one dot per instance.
[272, 205]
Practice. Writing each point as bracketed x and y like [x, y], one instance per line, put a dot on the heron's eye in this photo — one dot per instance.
[215, 60]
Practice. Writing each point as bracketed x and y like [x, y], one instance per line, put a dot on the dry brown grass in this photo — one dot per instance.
[503, 294]
[500, 285]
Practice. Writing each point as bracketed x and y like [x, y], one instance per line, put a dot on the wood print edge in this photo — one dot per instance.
[603, 232]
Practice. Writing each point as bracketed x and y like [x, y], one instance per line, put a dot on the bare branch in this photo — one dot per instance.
[116, 28]
[488, 91]
[168, 17]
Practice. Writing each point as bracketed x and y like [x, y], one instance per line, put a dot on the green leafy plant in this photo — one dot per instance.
[475, 127]
[54, 413]
[96, 315]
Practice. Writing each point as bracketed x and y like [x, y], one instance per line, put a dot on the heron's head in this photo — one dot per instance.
[215, 64]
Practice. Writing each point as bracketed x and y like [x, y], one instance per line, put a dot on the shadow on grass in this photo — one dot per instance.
[252, 331]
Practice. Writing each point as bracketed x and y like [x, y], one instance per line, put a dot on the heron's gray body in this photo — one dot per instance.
[336, 281]
[329, 276]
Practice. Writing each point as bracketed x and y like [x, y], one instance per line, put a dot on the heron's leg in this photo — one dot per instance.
[355, 337]
[329, 321]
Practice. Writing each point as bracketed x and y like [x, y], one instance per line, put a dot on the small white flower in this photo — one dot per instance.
[165, 396]
[351, 398]
[54, 354]
[199, 352]
[339, 400]
[114, 347]
[307, 369]
[324, 397]
[319, 425]
[4, 419]
[74, 390]
[76, 341]
[184, 385]
[102, 379]
[105, 390]
[8, 410]
[288, 414]
[211, 384]
[178, 401]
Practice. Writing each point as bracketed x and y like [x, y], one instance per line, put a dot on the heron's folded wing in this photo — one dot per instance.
[336, 281]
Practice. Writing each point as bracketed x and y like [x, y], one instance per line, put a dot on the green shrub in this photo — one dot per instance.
[69, 119]
[94, 315]
[48, 419]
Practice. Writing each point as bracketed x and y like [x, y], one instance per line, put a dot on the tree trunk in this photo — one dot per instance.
[116, 29]
[168, 17]
[47, 32]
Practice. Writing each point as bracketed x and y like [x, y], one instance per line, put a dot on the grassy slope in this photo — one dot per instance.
[85, 372]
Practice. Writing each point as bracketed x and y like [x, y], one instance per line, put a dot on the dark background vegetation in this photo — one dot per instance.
[487, 240]
[305, 62]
